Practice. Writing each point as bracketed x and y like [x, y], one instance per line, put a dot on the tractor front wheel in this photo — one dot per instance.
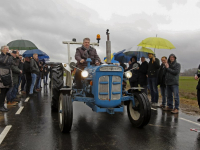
[65, 113]
[140, 114]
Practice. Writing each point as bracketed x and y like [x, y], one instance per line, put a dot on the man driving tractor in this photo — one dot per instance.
[82, 53]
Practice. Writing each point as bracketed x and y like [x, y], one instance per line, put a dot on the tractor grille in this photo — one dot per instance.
[104, 93]
[104, 88]
[116, 88]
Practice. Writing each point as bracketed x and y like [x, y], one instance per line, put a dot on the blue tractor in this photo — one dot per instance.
[104, 90]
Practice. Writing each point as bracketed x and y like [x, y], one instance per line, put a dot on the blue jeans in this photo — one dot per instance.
[173, 89]
[154, 89]
[9, 94]
[34, 77]
[14, 92]
[163, 91]
[38, 83]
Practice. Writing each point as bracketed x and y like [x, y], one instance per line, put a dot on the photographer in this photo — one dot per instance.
[5, 75]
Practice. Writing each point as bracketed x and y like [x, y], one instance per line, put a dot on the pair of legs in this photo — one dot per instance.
[28, 83]
[45, 79]
[34, 78]
[154, 89]
[173, 92]
[3, 92]
[163, 91]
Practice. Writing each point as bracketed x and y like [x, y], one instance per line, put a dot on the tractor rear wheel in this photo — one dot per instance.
[140, 114]
[56, 85]
[65, 113]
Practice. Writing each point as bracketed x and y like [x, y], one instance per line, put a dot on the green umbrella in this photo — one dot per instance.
[21, 45]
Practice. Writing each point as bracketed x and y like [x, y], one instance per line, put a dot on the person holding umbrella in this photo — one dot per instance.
[154, 65]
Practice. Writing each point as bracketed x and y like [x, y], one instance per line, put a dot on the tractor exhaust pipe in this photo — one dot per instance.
[108, 48]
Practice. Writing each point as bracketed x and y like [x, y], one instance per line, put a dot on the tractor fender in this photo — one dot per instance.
[67, 70]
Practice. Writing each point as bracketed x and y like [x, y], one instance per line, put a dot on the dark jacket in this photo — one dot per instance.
[161, 76]
[153, 68]
[135, 72]
[143, 73]
[172, 73]
[21, 67]
[15, 70]
[5, 63]
[45, 71]
[34, 66]
[83, 53]
[26, 68]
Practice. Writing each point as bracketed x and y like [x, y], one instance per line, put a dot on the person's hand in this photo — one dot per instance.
[147, 76]
[153, 59]
[20, 71]
[82, 61]
[138, 68]
[167, 65]
[129, 62]
[196, 77]
[97, 63]
[17, 54]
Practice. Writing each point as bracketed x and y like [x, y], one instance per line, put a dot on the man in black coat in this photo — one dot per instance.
[143, 74]
[161, 81]
[154, 65]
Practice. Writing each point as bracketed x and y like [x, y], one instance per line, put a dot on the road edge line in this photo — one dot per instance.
[4, 133]
[19, 110]
[190, 121]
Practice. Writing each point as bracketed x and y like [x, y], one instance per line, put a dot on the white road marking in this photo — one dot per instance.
[4, 133]
[19, 110]
[190, 121]
[153, 108]
[27, 99]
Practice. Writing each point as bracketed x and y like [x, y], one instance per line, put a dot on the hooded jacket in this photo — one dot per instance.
[172, 73]
[83, 53]
[153, 68]
[135, 72]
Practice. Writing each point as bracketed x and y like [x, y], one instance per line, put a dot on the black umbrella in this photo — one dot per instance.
[22, 45]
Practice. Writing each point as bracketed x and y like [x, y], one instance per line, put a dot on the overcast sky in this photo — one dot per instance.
[49, 22]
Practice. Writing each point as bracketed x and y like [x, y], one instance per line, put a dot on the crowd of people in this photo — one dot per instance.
[19, 75]
[151, 75]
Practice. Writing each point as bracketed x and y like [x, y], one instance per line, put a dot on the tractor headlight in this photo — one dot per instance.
[84, 73]
[128, 74]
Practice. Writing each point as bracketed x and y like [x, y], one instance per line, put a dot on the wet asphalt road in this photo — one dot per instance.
[36, 128]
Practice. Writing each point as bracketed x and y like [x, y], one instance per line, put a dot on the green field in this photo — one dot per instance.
[187, 87]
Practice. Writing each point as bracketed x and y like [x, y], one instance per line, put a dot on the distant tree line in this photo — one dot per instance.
[189, 72]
